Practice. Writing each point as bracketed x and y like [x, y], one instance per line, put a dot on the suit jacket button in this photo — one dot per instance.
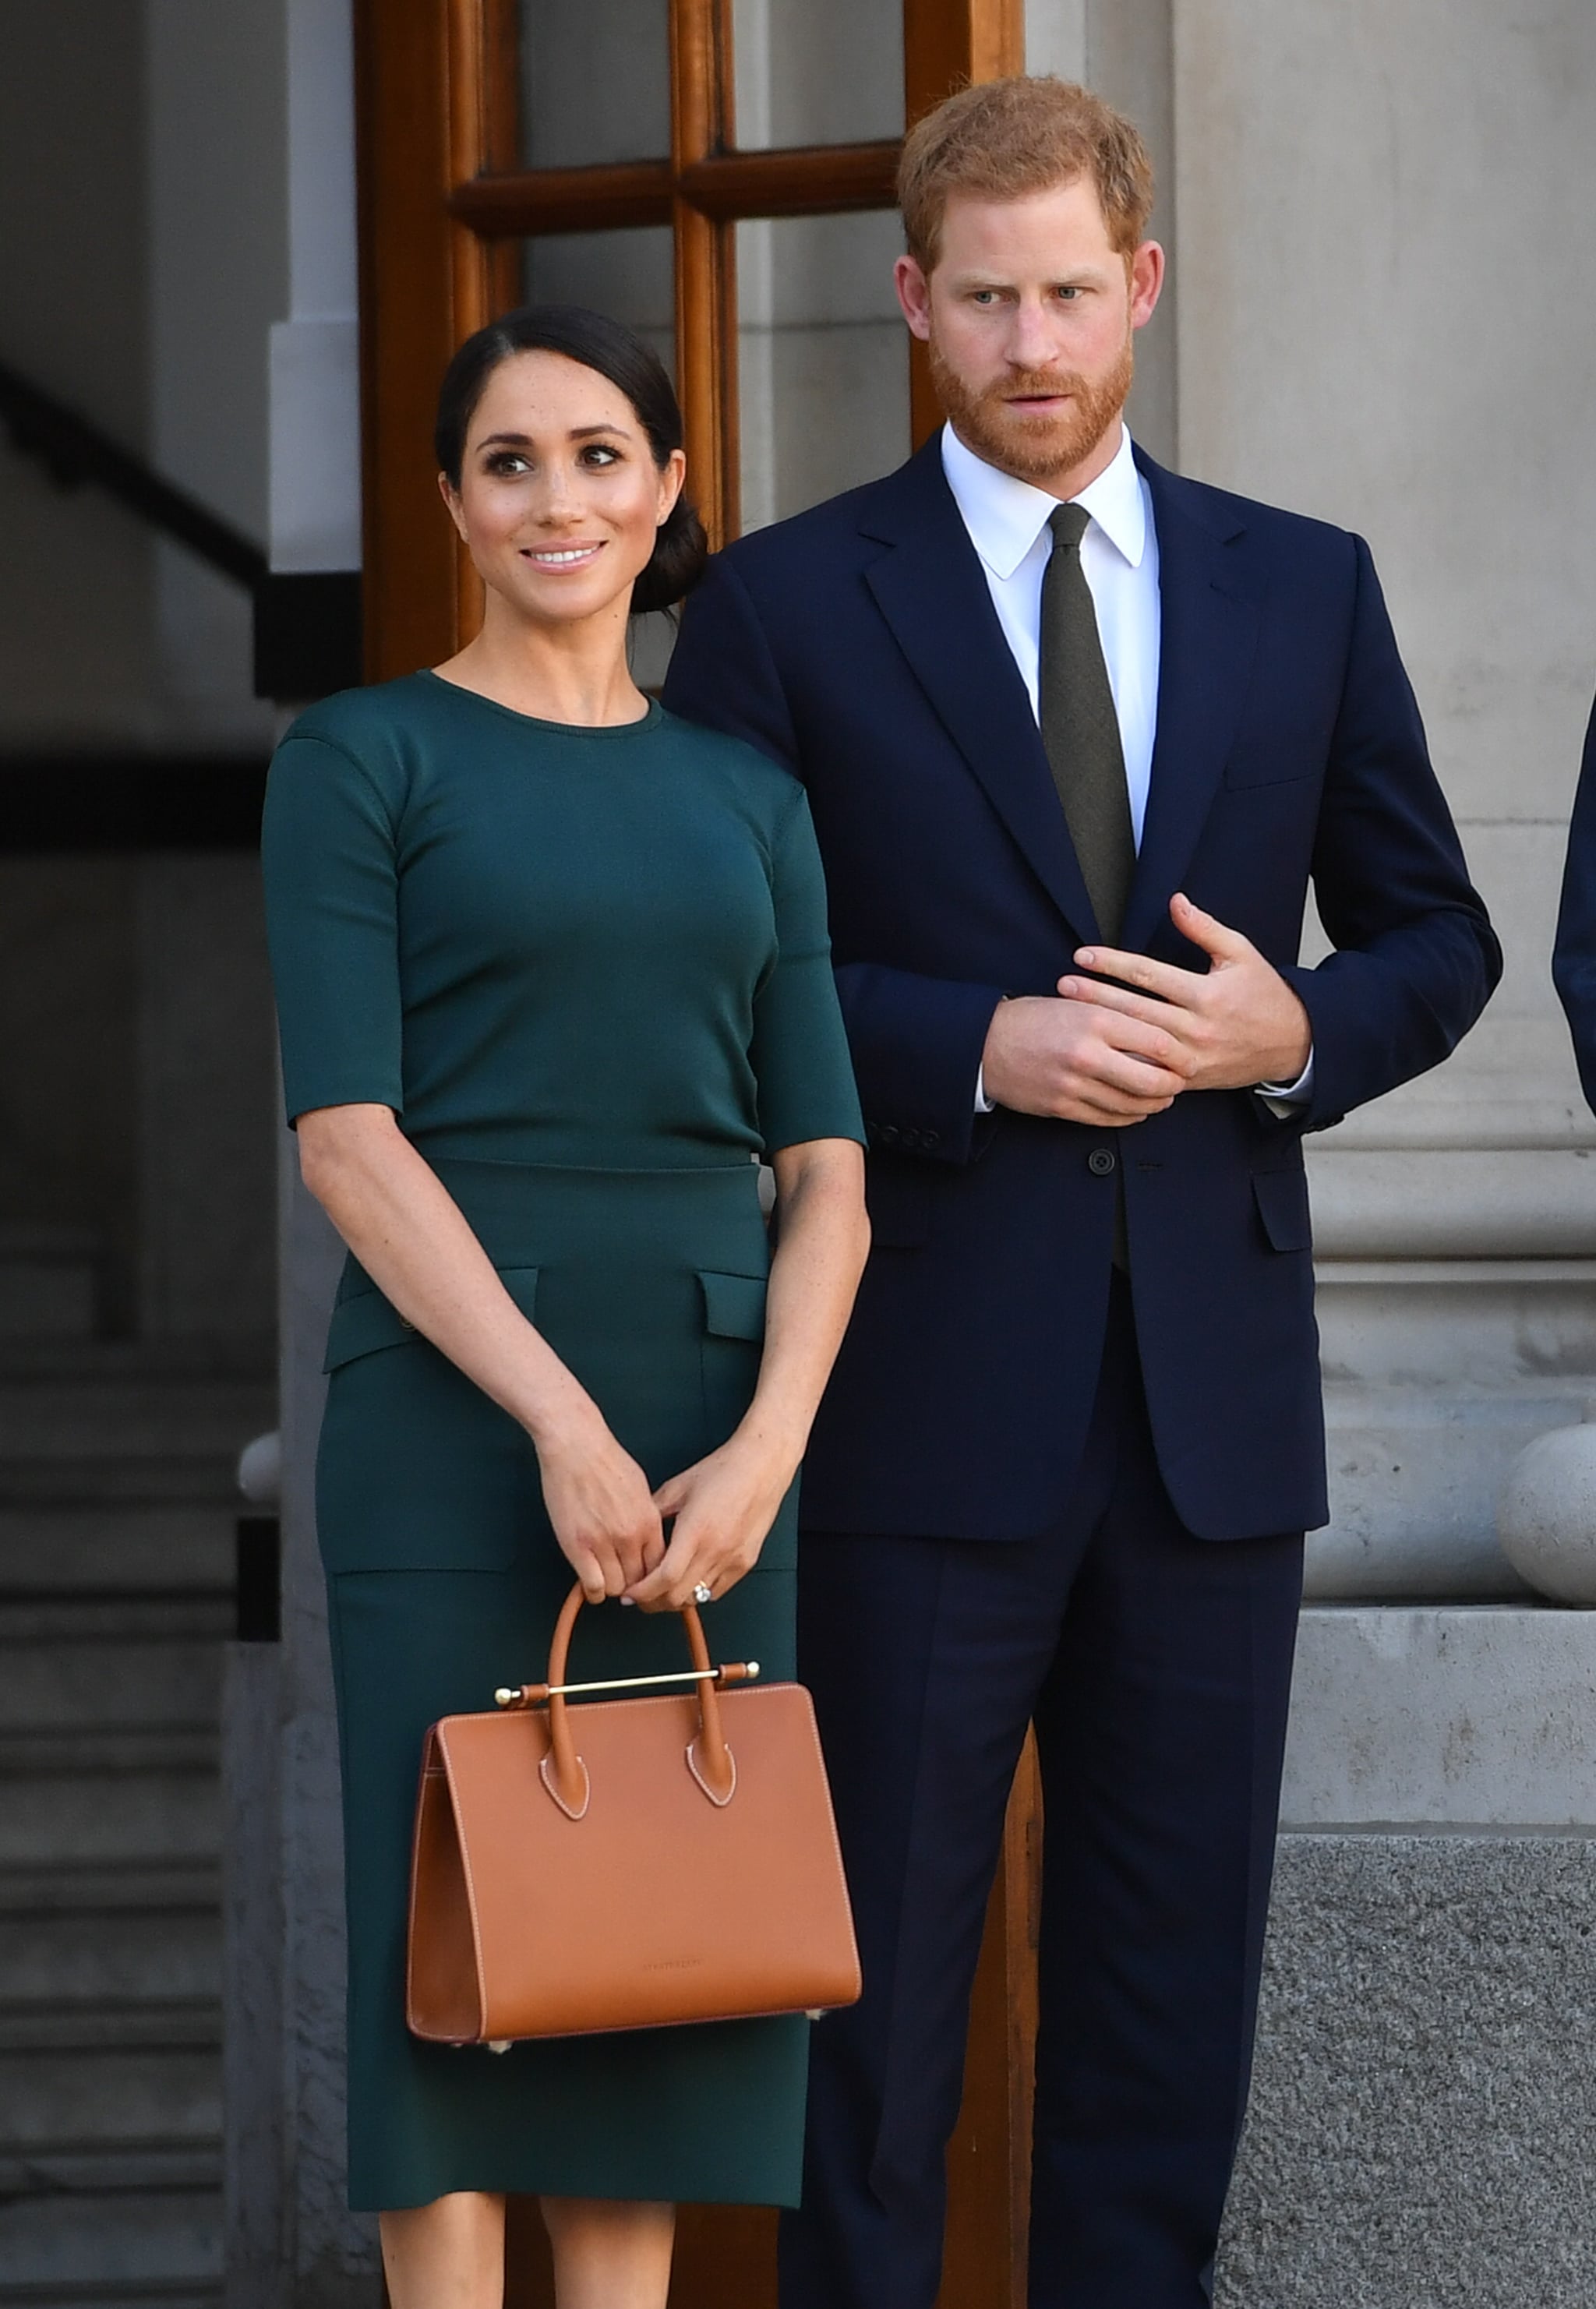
[890, 1134]
[1102, 1162]
[930, 1139]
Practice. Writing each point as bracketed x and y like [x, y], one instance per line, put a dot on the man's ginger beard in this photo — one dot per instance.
[1029, 445]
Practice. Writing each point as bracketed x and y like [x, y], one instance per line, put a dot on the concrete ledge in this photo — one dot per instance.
[1422, 2133]
[1454, 1202]
[1443, 1714]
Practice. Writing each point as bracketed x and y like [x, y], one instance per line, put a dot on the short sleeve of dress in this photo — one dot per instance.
[799, 1052]
[328, 854]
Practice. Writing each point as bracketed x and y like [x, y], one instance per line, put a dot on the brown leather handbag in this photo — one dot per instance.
[627, 1863]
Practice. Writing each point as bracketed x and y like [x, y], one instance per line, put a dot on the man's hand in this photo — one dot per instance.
[1080, 1063]
[1233, 1025]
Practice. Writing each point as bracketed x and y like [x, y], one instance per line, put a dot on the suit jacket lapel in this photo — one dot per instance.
[1209, 633]
[930, 589]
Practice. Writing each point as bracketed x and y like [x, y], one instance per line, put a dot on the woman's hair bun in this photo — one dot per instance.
[675, 567]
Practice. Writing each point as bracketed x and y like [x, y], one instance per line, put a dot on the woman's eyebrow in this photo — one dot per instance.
[524, 440]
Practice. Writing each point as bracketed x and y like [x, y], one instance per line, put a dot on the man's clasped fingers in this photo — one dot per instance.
[1163, 1015]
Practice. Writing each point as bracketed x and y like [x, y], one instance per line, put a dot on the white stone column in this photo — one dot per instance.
[215, 164]
[291, 2242]
[1384, 322]
[315, 368]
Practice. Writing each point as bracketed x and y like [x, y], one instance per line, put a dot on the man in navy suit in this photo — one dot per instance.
[1574, 956]
[1076, 736]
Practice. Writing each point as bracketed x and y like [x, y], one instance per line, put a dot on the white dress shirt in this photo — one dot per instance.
[1008, 522]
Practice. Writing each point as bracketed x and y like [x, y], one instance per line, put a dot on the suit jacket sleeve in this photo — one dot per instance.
[1574, 956]
[1415, 958]
[915, 1041]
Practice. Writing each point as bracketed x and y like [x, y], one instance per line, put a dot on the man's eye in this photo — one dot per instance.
[984, 296]
[1069, 294]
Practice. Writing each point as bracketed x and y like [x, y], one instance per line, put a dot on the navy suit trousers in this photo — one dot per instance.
[1157, 1669]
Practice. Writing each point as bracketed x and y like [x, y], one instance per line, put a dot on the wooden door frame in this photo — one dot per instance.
[444, 200]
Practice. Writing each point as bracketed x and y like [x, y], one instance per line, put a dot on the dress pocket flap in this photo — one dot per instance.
[734, 1305]
[366, 1322]
[1281, 1197]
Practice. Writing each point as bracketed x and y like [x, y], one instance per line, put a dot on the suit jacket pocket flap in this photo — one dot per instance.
[1281, 1197]
[366, 1322]
[734, 1305]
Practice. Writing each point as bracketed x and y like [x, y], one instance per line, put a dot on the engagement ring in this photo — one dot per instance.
[702, 1592]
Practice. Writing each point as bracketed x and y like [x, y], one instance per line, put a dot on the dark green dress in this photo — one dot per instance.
[588, 971]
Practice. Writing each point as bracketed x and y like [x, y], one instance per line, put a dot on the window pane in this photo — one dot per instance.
[595, 82]
[823, 356]
[818, 72]
[629, 274]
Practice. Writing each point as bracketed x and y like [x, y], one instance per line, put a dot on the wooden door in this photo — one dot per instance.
[527, 148]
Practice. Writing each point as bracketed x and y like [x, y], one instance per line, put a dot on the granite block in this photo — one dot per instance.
[1455, 1715]
[1422, 2134]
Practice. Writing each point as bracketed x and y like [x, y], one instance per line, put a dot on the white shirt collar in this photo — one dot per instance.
[1005, 516]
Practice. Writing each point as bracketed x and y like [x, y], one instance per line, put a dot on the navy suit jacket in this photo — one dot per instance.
[1574, 956]
[857, 643]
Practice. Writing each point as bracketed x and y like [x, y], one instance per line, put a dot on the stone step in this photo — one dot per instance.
[133, 2094]
[128, 1415]
[102, 1681]
[77, 1550]
[127, 1889]
[91, 1800]
[112, 2230]
[49, 1282]
[78, 1960]
[114, 2025]
[152, 1615]
[205, 1478]
[230, 1361]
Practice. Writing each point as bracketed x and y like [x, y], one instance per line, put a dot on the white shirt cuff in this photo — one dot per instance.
[983, 1104]
[1283, 1099]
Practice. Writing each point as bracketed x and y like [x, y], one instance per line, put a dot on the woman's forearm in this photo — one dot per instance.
[822, 1236]
[411, 1236]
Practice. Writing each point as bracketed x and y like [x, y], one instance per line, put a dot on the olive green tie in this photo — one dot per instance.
[1080, 728]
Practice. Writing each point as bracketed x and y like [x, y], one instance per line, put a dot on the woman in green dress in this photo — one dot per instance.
[552, 973]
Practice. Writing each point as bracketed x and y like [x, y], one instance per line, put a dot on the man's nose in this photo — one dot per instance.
[1033, 341]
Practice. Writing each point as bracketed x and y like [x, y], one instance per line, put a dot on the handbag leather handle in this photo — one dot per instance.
[709, 1759]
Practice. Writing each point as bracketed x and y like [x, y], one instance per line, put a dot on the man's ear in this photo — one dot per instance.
[1146, 267]
[914, 295]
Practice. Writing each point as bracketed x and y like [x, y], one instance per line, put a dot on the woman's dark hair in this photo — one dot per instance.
[598, 342]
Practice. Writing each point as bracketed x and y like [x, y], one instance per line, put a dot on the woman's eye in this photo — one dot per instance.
[600, 453]
[508, 461]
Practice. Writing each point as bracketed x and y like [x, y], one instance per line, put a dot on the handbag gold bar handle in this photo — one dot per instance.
[533, 1695]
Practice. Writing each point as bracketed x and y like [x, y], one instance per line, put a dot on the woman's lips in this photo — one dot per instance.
[556, 557]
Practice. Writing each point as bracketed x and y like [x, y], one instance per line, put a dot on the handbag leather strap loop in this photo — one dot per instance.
[709, 1759]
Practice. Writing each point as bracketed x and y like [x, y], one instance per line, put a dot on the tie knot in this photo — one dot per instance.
[1068, 525]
